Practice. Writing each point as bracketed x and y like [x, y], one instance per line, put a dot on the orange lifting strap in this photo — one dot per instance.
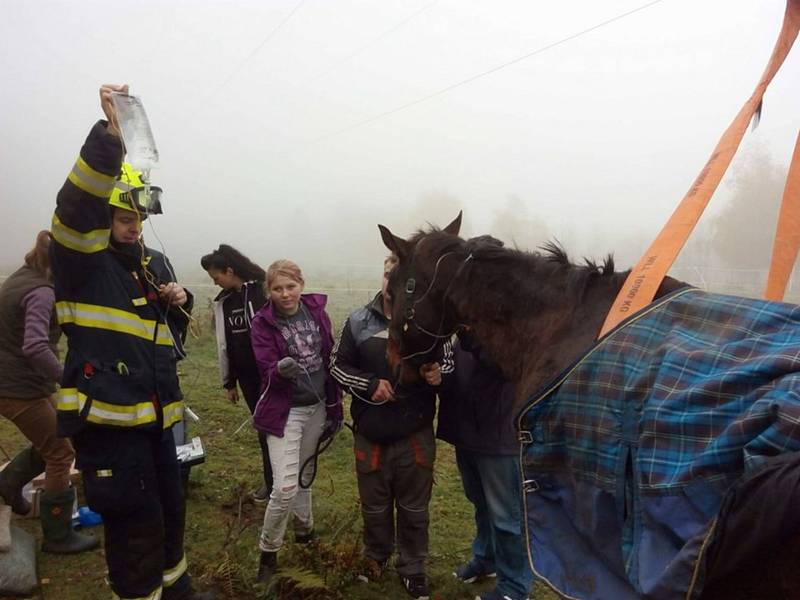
[645, 278]
[787, 234]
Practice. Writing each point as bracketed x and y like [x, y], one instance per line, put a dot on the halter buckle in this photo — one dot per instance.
[411, 285]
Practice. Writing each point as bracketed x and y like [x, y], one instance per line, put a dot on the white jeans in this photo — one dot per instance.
[287, 455]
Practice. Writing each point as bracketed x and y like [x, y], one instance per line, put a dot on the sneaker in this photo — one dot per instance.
[372, 569]
[261, 495]
[416, 586]
[472, 571]
[495, 595]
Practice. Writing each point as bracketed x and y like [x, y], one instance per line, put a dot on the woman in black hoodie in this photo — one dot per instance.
[242, 283]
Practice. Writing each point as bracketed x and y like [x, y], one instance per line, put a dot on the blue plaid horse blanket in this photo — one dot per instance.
[627, 455]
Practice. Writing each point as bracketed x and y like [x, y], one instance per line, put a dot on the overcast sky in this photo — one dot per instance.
[277, 129]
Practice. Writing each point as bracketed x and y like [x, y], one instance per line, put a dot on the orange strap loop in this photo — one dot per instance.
[645, 278]
[787, 233]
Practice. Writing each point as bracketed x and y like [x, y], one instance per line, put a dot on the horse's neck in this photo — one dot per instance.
[534, 345]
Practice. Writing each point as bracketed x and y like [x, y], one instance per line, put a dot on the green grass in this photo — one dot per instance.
[222, 528]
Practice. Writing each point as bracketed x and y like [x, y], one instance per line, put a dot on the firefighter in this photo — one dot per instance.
[125, 318]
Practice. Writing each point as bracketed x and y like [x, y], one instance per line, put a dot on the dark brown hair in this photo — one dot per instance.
[39, 256]
[228, 257]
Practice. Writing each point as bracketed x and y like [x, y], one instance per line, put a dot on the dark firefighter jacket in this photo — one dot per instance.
[124, 343]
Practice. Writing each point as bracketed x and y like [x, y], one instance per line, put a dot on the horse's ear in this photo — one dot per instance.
[396, 244]
[455, 226]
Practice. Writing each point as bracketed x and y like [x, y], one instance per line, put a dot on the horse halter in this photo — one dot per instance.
[410, 310]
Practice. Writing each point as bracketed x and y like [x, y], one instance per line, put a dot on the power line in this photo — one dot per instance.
[483, 73]
[257, 49]
[369, 44]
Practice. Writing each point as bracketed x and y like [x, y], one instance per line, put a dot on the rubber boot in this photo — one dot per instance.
[56, 516]
[267, 566]
[23, 467]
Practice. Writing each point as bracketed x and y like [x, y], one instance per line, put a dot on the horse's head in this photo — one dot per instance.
[422, 314]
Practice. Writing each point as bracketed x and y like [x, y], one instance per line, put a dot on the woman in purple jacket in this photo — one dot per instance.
[292, 342]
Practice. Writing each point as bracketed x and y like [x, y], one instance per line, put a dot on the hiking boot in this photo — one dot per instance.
[305, 538]
[267, 566]
[372, 569]
[23, 467]
[416, 586]
[473, 571]
[261, 495]
[56, 517]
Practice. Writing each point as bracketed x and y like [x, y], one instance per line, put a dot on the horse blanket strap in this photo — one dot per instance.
[636, 445]
[645, 278]
[787, 234]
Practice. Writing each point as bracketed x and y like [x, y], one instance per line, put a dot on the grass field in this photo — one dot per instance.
[222, 526]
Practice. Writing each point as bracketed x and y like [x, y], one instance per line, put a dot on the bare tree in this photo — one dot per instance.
[745, 227]
[517, 226]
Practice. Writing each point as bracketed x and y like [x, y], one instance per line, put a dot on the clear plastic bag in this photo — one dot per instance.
[140, 145]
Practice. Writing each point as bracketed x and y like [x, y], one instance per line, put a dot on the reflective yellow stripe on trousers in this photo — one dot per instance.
[172, 575]
[112, 319]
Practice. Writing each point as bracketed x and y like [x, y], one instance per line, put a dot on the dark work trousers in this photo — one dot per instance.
[251, 390]
[396, 477]
[132, 478]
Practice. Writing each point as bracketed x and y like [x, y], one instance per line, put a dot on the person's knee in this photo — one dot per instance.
[413, 514]
[285, 495]
[506, 521]
[376, 512]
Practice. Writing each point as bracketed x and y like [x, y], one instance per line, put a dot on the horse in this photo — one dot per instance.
[611, 531]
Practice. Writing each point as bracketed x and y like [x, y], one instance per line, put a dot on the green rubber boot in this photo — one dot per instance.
[23, 467]
[56, 516]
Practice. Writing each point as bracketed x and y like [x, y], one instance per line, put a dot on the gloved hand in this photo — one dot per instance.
[288, 368]
[332, 427]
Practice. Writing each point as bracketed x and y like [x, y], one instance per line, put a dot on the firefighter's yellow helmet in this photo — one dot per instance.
[132, 192]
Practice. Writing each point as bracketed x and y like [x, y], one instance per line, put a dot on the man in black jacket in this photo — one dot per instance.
[394, 443]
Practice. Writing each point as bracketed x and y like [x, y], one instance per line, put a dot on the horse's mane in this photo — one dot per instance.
[541, 276]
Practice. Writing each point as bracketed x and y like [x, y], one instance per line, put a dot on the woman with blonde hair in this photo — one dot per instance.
[29, 363]
[292, 341]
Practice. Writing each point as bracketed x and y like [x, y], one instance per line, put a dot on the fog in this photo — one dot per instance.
[291, 128]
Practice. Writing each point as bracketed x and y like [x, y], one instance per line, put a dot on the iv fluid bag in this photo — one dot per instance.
[140, 145]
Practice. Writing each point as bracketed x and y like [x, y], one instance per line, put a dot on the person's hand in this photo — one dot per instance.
[332, 427]
[233, 395]
[384, 392]
[108, 106]
[173, 294]
[288, 368]
[431, 373]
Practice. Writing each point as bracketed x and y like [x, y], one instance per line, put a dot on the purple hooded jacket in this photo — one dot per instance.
[272, 410]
